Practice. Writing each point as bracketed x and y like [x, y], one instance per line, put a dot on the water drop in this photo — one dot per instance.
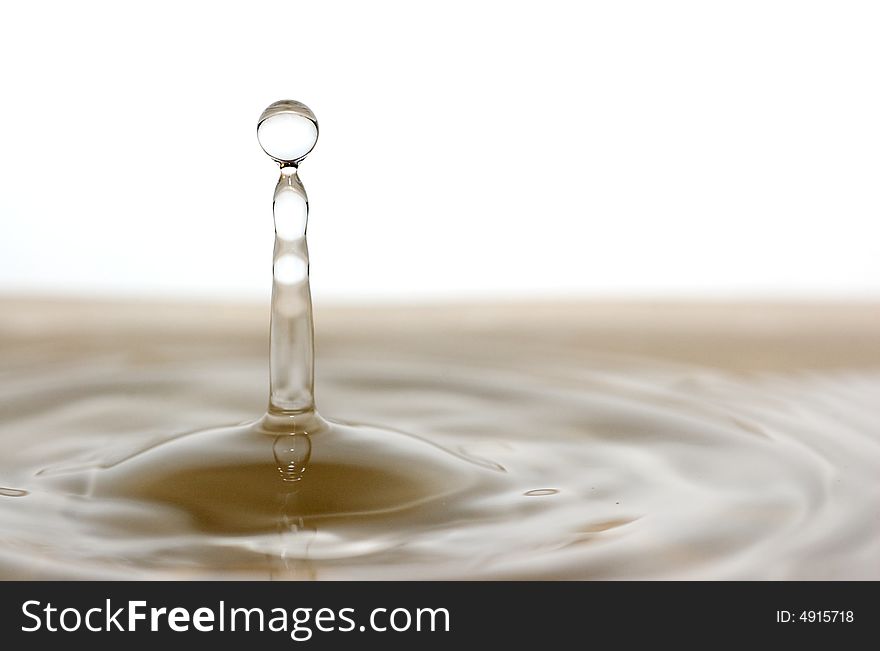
[287, 131]
[541, 492]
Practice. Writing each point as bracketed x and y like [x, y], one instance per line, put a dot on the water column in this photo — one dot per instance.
[287, 131]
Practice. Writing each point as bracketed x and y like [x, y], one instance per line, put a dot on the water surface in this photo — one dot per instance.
[529, 441]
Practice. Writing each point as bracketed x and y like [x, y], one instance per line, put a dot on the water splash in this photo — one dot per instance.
[287, 132]
[229, 480]
[659, 470]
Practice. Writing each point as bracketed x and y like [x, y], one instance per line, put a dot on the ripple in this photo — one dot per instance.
[647, 470]
[12, 492]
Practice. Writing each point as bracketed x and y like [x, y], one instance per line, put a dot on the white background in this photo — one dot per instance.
[467, 149]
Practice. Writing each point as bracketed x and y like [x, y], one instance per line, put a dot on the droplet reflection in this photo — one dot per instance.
[292, 452]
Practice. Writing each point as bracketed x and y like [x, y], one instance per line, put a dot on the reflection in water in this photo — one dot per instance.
[295, 536]
[292, 452]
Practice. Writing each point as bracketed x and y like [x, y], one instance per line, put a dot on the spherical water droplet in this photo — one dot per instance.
[287, 131]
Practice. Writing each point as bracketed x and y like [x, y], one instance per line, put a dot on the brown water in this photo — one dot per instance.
[528, 441]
